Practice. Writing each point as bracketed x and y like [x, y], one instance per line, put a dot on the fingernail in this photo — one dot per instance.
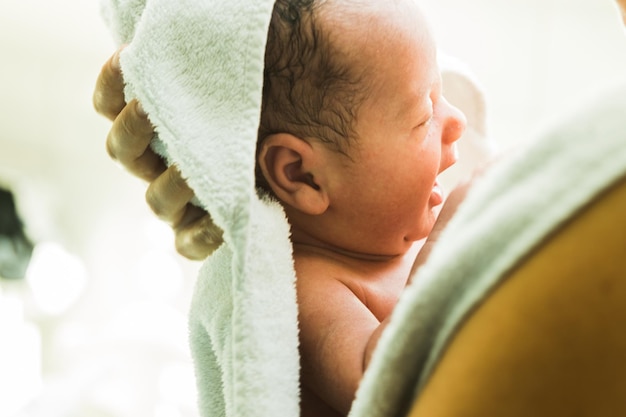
[140, 110]
[115, 61]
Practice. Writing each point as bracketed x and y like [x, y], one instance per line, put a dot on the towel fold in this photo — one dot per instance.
[197, 68]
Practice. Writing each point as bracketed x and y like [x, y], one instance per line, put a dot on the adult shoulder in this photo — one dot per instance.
[550, 339]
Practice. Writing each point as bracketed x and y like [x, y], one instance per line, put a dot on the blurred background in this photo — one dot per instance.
[93, 320]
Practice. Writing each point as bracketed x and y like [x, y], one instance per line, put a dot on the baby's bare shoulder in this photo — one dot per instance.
[317, 274]
[376, 287]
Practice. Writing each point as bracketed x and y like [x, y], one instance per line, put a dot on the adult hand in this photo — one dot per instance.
[454, 200]
[450, 206]
[168, 194]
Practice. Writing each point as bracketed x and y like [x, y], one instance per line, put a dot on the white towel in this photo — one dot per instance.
[197, 68]
[508, 213]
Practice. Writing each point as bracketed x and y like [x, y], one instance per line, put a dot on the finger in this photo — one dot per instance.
[129, 142]
[454, 200]
[108, 96]
[198, 239]
[168, 196]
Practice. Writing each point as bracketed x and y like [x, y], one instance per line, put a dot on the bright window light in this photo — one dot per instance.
[56, 277]
[20, 357]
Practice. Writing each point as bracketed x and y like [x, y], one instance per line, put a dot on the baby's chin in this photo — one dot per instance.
[389, 248]
[425, 227]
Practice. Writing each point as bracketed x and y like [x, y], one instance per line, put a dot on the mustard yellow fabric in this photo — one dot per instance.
[551, 339]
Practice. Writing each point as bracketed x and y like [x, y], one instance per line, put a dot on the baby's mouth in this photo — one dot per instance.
[436, 196]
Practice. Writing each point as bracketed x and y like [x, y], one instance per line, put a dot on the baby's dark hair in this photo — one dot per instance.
[309, 88]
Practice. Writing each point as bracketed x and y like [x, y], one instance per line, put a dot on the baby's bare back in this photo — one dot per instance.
[343, 304]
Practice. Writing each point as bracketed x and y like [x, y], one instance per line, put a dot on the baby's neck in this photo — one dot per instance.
[376, 280]
[303, 242]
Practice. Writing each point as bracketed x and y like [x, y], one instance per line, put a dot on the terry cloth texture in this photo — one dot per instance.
[197, 68]
[509, 212]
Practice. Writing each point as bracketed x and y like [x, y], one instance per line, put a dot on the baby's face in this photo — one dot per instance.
[406, 131]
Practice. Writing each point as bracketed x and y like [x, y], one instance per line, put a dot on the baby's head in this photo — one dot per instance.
[312, 89]
[311, 86]
[354, 130]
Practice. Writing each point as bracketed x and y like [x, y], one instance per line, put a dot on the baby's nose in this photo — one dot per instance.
[454, 123]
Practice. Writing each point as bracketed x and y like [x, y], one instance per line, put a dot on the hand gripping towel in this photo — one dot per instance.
[197, 68]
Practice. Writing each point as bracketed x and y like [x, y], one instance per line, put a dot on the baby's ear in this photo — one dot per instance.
[288, 164]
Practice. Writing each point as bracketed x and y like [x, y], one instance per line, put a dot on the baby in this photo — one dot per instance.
[354, 132]
[353, 248]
